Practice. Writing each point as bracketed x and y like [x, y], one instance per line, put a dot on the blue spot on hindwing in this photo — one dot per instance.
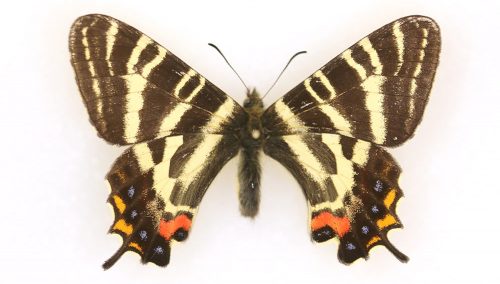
[143, 234]
[378, 186]
[131, 191]
[133, 214]
[350, 246]
[375, 209]
[158, 250]
[364, 230]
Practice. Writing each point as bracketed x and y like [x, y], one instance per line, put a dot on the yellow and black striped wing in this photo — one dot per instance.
[329, 132]
[351, 187]
[157, 186]
[181, 128]
[375, 91]
[135, 90]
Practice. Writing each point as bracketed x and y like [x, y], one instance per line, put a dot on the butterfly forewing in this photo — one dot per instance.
[136, 90]
[328, 132]
[376, 90]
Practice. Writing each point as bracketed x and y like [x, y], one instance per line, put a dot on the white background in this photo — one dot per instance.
[53, 215]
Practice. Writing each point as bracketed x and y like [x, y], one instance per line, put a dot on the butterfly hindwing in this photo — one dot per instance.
[351, 187]
[136, 90]
[328, 132]
[376, 90]
[157, 186]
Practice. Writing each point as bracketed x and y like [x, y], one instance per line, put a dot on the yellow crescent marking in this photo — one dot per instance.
[400, 42]
[97, 92]
[307, 85]
[142, 43]
[85, 43]
[136, 246]
[387, 221]
[347, 56]
[122, 226]
[418, 70]
[372, 241]
[389, 199]
[146, 70]
[372, 53]
[187, 76]
[319, 74]
[413, 90]
[120, 205]
[110, 42]
[195, 92]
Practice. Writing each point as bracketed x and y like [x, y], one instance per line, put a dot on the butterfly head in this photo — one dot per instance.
[253, 103]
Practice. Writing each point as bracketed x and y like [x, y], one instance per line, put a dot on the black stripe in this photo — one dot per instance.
[342, 77]
[320, 89]
[347, 146]
[168, 73]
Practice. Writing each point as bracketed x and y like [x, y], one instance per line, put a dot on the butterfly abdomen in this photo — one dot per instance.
[249, 170]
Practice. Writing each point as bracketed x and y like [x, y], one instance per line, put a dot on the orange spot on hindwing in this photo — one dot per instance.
[123, 227]
[387, 221]
[389, 199]
[136, 246]
[120, 205]
[176, 228]
[325, 221]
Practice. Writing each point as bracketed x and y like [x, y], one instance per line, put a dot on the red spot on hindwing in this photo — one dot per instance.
[340, 225]
[168, 228]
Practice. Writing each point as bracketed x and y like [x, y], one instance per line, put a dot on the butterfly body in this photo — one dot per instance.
[329, 132]
[249, 171]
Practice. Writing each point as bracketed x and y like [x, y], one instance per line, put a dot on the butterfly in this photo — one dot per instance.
[329, 132]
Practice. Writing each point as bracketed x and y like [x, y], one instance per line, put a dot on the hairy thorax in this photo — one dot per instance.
[251, 137]
[252, 134]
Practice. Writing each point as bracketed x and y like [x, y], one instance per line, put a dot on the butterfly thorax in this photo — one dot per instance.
[251, 139]
[254, 108]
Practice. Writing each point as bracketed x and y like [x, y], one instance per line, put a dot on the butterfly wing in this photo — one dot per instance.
[157, 186]
[328, 132]
[135, 90]
[376, 90]
[181, 127]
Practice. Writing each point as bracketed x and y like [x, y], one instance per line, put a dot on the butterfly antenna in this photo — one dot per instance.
[282, 71]
[239, 77]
